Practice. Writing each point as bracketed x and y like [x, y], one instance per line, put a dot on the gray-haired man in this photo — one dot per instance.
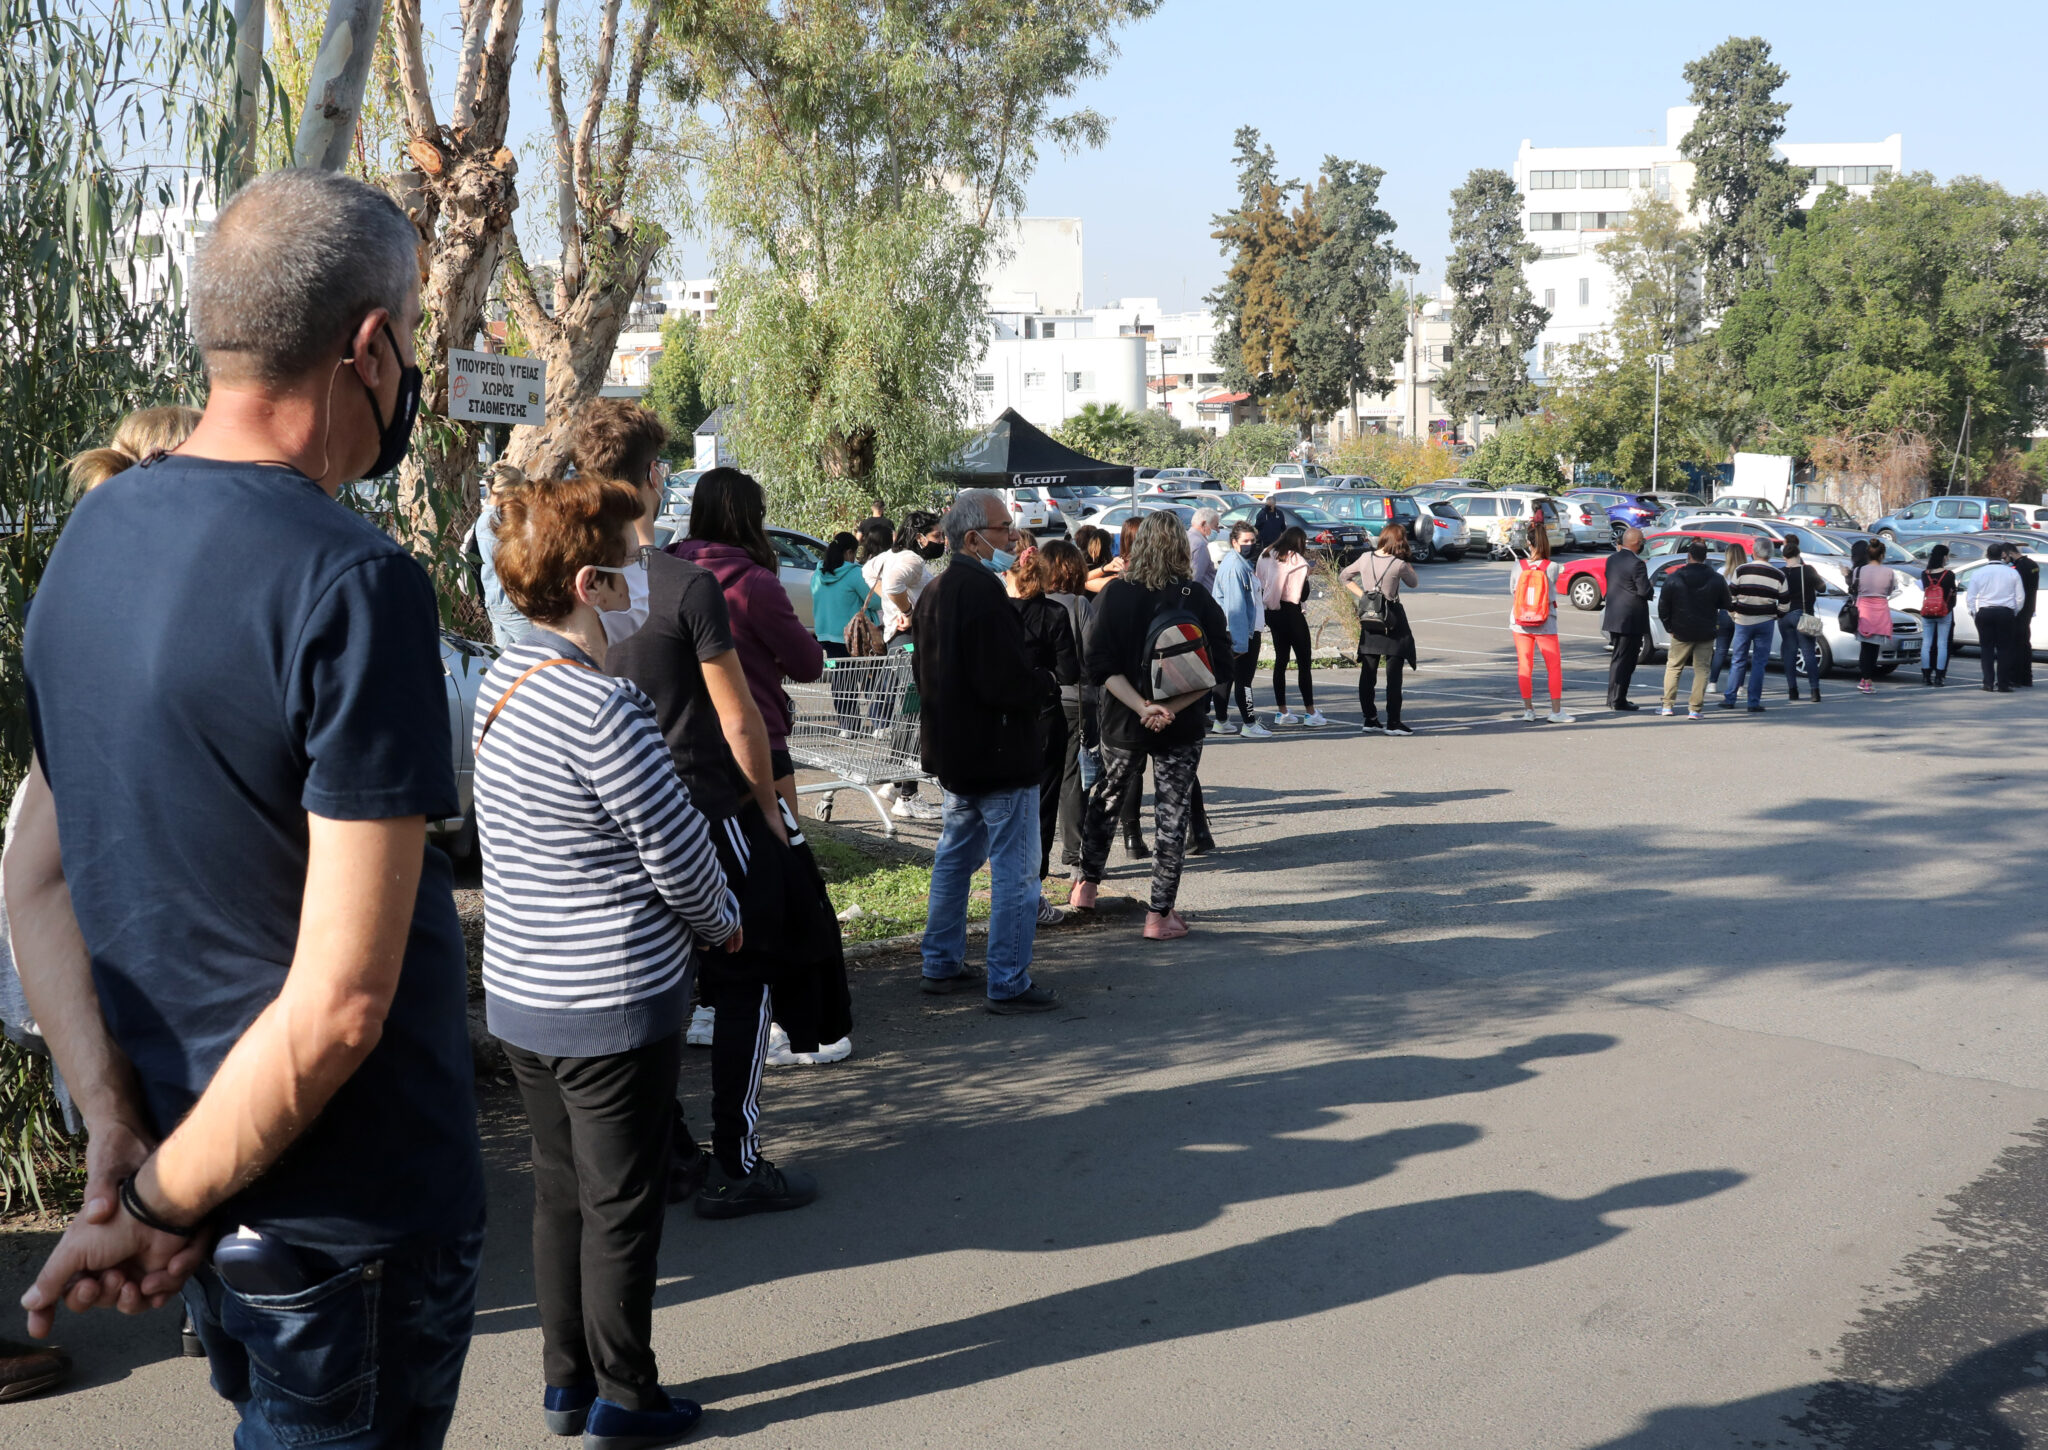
[251, 732]
[978, 732]
[1207, 522]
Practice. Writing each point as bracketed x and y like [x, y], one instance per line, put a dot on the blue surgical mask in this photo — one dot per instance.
[1001, 560]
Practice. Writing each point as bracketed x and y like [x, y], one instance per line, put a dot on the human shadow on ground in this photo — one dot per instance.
[1359, 1258]
[1131, 1166]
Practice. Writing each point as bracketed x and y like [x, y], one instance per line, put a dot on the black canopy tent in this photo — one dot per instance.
[1014, 454]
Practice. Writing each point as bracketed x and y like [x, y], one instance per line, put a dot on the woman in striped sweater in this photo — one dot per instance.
[598, 875]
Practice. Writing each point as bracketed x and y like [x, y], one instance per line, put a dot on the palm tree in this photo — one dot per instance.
[1102, 430]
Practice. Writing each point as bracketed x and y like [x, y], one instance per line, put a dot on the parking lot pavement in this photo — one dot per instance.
[1631, 1085]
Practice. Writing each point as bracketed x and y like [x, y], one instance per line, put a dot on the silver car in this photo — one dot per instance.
[1966, 622]
[1836, 646]
[1587, 523]
[464, 663]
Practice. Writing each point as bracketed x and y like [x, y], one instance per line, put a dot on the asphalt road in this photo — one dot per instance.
[1635, 1083]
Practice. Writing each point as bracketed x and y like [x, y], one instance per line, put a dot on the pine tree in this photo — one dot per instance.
[1747, 191]
[1351, 325]
[1494, 320]
[1246, 233]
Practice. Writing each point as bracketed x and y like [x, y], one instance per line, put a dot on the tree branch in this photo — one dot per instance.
[469, 65]
[593, 106]
[570, 276]
[521, 297]
[629, 121]
[334, 91]
[249, 21]
[412, 70]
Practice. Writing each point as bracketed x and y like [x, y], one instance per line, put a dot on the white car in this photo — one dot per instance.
[1587, 522]
[464, 664]
[1501, 518]
[1834, 648]
[1966, 622]
[1036, 511]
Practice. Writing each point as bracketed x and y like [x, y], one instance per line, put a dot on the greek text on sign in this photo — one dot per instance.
[484, 387]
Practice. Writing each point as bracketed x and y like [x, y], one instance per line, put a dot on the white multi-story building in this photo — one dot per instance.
[165, 244]
[1410, 407]
[1576, 196]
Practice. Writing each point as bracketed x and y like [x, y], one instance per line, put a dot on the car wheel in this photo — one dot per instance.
[1824, 658]
[1888, 536]
[1585, 593]
[1452, 556]
[1882, 670]
[1425, 554]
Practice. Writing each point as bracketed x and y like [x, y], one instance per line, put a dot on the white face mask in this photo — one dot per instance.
[623, 623]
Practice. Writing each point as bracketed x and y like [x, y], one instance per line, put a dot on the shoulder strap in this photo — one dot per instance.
[525, 675]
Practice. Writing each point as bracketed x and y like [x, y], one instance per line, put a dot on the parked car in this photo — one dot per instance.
[1450, 537]
[1969, 548]
[1286, 475]
[1445, 488]
[1185, 478]
[1749, 508]
[1820, 516]
[1966, 622]
[1835, 647]
[1327, 537]
[1502, 518]
[1585, 521]
[1371, 513]
[464, 662]
[1223, 500]
[2030, 515]
[1035, 511]
[1112, 520]
[1958, 514]
[1347, 480]
[1080, 503]
[1624, 510]
[1676, 500]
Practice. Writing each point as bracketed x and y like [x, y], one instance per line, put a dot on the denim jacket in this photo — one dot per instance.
[1241, 597]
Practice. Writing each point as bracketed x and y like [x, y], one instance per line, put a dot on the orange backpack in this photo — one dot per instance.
[1532, 594]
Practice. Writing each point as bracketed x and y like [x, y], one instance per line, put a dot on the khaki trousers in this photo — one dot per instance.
[1685, 652]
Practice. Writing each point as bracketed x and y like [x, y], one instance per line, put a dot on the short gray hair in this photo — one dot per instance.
[1763, 548]
[293, 262]
[1209, 517]
[970, 514]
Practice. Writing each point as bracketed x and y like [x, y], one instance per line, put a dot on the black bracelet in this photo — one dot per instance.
[139, 1211]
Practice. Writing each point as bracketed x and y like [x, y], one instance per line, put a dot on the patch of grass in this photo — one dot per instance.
[892, 895]
[41, 1167]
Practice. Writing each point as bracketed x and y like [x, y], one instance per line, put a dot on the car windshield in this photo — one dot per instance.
[1314, 516]
[1026, 495]
[1811, 541]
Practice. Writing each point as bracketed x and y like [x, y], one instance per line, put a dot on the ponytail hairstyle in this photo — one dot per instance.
[141, 433]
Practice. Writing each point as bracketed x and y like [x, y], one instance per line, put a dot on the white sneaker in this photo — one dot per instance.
[698, 1034]
[1287, 717]
[1530, 715]
[1229, 727]
[779, 1054]
[1561, 716]
[910, 808]
[1048, 914]
[1256, 731]
[1666, 710]
[1314, 720]
[886, 790]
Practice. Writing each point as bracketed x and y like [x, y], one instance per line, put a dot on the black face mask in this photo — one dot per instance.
[933, 550]
[393, 437]
[1249, 552]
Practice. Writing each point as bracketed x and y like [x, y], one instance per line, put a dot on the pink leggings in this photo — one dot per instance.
[1526, 646]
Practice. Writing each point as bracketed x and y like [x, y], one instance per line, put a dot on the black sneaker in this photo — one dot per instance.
[767, 1189]
[1756, 709]
[1397, 728]
[1031, 999]
[687, 1174]
[947, 986]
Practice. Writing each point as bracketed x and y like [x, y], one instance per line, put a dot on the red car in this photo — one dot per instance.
[1584, 581]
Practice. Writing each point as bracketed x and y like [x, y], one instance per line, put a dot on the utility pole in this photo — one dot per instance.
[1961, 439]
[1658, 362]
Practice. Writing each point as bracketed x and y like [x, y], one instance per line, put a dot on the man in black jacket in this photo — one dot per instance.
[2023, 626]
[1627, 617]
[979, 699]
[1690, 607]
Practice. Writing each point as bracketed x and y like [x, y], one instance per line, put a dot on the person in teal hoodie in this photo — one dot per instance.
[1239, 594]
[838, 593]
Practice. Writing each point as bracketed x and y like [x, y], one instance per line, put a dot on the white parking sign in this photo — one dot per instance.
[484, 387]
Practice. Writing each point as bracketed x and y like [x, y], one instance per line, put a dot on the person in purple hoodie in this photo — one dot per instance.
[727, 536]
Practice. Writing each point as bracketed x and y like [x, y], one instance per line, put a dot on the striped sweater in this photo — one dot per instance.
[1757, 594]
[597, 869]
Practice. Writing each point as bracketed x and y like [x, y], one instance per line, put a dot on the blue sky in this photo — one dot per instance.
[1430, 92]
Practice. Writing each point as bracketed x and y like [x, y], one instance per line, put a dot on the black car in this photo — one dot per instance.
[1328, 537]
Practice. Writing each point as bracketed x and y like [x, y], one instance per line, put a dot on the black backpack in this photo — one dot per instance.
[1372, 610]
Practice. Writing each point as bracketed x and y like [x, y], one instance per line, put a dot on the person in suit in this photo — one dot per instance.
[1627, 616]
[2023, 627]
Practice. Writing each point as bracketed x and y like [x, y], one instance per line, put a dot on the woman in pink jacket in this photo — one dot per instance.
[727, 536]
[1283, 575]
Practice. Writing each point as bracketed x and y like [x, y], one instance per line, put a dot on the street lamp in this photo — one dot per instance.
[1659, 361]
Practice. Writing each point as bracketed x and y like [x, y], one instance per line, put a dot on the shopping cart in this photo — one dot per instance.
[858, 724]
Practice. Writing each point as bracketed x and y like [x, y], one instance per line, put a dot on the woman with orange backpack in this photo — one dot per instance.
[1532, 616]
[1937, 615]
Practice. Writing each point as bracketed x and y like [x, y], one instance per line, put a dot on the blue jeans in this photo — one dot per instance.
[1937, 632]
[368, 1357]
[1000, 828]
[1789, 640]
[1749, 653]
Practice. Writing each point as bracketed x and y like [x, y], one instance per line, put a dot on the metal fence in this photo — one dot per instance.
[858, 725]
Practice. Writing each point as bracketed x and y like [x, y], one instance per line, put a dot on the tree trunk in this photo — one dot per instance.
[334, 93]
[249, 21]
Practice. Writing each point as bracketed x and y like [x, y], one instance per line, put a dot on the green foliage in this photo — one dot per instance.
[1524, 454]
[1249, 449]
[677, 390]
[78, 102]
[1656, 262]
[860, 160]
[1606, 406]
[1395, 462]
[1746, 189]
[1494, 321]
[1164, 443]
[1103, 430]
[1350, 325]
[41, 1166]
[1890, 314]
[1257, 173]
[1255, 308]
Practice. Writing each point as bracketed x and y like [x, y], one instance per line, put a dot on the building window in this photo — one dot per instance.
[1550, 299]
[1205, 379]
[1549, 355]
[1552, 180]
[1034, 380]
[1660, 182]
[1585, 291]
[1446, 353]
[1553, 221]
[1168, 347]
[984, 382]
[1602, 221]
[1080, 382]
[1861, 175]
[1643, 176]
[1045, 329]
[1604, 178]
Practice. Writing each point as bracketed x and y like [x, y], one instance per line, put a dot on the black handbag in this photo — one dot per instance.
[1848, 616]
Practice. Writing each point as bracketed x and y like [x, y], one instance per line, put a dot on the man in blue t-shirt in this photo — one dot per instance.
[235, 689]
